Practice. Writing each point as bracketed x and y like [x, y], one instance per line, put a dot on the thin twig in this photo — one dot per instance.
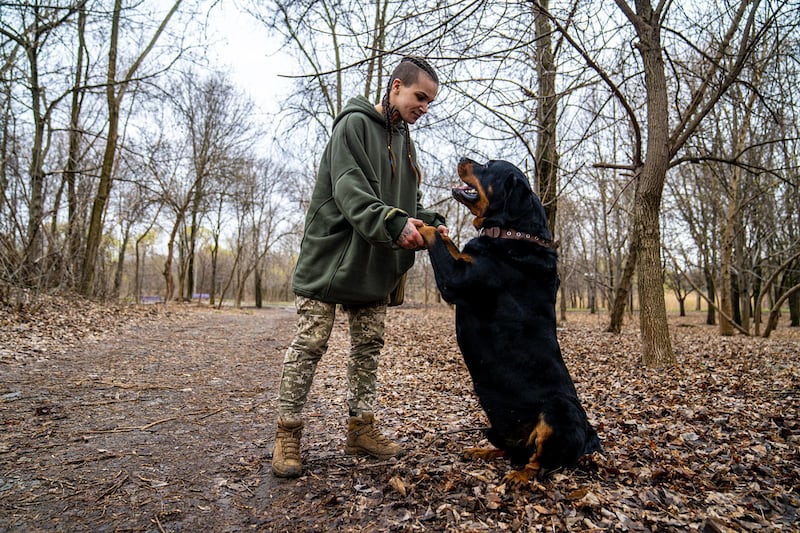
[157, 522]
[113, 488]
[212, 413]
[134, 428]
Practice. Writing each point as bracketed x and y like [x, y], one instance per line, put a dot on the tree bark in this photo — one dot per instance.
[656, 344]
[33, 245]
[623, 287]
[95, 231]
[169, 278]
[726, 284]
[547, 117]
[775, 312]
[115, 90]
[711, 315]
[74, 226]
[120, 268]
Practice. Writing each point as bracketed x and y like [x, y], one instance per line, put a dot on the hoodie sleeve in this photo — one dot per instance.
[428, 216]
[356, 185]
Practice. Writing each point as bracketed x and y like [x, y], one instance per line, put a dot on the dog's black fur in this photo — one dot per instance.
[504, 290]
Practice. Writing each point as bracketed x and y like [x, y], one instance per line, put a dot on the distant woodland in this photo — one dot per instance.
[662, 137]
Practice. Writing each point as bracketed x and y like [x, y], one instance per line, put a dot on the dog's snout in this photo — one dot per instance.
[465, 166]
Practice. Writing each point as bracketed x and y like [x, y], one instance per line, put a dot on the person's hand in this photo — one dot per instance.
[409, 238]
[444, 230]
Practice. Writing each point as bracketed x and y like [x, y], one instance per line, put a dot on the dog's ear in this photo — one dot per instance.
[524, 208]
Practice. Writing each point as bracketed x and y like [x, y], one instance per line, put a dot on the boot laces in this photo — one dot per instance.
[290, 440]
[377, 436]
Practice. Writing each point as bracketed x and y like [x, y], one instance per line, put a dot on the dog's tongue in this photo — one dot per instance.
[465, 189]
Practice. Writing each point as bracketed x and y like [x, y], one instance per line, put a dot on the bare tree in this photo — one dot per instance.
[547, 117]
[39, 22]
[218, 124]
[115, 92]
[664, 135]
[261, 208]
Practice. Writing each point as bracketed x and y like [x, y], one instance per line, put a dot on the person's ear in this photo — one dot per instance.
[396, 84]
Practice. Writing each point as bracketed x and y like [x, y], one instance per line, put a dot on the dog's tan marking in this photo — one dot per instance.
[479, 208]
[538, 437]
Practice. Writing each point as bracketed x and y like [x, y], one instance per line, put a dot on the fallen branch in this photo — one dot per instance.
[123, 429]
[113, 488]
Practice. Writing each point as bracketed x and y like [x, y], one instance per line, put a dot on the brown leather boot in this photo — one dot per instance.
[286, 460]
[364, 438]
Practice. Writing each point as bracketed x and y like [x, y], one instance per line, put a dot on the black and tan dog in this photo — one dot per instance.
[503, 284]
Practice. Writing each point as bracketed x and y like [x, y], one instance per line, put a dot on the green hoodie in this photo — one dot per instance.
[357, 211]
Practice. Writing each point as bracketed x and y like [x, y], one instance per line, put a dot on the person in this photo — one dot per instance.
[359, 239]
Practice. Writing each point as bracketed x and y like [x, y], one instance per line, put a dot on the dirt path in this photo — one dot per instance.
[161, 426]
[167, 424]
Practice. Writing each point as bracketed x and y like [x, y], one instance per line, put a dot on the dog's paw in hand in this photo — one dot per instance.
[428, 235]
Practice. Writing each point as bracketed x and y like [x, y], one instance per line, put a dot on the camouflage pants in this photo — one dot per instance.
[314, 325]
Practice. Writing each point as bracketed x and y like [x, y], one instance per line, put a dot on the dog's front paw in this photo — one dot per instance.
[520, 478]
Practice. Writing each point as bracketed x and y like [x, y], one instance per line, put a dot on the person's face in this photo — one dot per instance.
[412, 101]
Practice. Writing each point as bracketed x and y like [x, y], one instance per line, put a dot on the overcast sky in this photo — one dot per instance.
[242, 44]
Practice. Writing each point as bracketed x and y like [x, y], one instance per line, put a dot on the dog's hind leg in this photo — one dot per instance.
[539, 436]
[487, 454]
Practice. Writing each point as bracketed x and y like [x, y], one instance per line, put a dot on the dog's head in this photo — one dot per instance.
[499, 195]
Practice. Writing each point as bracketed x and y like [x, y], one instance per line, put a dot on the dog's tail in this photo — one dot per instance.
[592, 442]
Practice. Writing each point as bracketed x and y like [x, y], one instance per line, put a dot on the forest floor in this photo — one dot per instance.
[162, 419]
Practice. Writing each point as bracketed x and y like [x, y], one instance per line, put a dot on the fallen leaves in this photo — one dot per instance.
[138, 419]
[397, 484]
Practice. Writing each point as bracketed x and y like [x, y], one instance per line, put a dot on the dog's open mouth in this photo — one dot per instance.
[465, 194]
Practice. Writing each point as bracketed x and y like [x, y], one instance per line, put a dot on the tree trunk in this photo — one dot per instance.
[623, 288]
[121, 261]
[34, 245]
[74, 226]
[212, 295]
[169, 279]
[656, 345]
[115, 91]
[546, 115]
[194, 229]
[775, 312]
[726, 262]
[181, 285]
[794, 310]
[711, 314]
[137, 276]
[373, 81]
[95, 232]
[5, 150]
[258, 289]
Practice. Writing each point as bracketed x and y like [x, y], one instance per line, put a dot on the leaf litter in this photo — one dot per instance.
[162, 419]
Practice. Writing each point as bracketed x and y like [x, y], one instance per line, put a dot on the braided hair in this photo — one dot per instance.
[407, 72]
